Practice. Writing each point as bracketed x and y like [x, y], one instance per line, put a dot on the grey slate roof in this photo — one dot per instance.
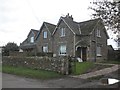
[88, 26]
[35, 35]
[50, 26]
[85, 27]
[28, 46]
[73, 25]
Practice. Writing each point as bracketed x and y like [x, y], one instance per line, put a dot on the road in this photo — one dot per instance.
[13, 81]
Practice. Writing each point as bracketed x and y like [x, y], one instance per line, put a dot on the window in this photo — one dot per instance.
[98, 51]
[45, 34]
[62, 50]
[32, 39]
[98, 33]
[62, 32]
[45, 48]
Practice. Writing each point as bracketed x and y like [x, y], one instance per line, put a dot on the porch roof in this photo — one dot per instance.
[28, 46]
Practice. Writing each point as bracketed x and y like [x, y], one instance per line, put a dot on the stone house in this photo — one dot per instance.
[87, 40]
[44, 39]
[29, 45]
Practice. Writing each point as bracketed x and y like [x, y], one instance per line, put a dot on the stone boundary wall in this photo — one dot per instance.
[57, 64]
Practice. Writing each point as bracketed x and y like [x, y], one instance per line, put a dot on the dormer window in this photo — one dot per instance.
[98, 33]
[62, 34]
[32, 39]
[45, 34]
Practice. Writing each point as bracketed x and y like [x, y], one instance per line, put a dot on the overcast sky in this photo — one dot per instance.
[17, 17]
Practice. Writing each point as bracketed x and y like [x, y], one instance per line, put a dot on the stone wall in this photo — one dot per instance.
[57, 64]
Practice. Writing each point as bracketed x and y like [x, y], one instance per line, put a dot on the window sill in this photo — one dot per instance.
[62, 36]
[62, 54]
[99, 55]
[99, 36]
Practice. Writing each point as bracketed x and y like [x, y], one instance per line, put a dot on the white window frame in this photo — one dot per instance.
[45, 48]
[98, 51]
[62, 50]
[32, 39]
[45, 34]
[98, 33]
[62, 32]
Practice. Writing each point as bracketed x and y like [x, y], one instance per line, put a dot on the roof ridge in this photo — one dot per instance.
[89, 20]
[49, 23]
[34, 30]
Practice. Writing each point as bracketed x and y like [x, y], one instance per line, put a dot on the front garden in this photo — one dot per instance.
[30, 73]
[49, 67]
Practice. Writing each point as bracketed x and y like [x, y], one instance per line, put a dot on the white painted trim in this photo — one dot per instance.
[79, 28]
[95, 26]
[77, 47]
[63, 42]
[68, 26]
[56, 26]
[78, 42]
[47, 27]
[74, 46]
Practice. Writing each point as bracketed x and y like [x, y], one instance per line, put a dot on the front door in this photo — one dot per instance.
[81, 52]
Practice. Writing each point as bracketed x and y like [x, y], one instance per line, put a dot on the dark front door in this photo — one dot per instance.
[81, 52]
[84, 57]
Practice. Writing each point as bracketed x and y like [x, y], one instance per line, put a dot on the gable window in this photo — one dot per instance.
[45, 34]
[62, 50]
[98, 33]
[62, 32]
[32, 39]
[45, 48]
[99, 51]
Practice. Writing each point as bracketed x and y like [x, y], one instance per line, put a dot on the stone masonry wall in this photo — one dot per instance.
[57, 64]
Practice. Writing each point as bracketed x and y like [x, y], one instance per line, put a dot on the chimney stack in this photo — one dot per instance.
[69, 17]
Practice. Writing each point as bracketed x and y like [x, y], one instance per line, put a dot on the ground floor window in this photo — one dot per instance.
[98, 51]
[45, 48]
[62, 50]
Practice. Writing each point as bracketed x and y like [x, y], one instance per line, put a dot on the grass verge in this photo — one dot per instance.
[30, 73]
[111, 61]
[86, 67]
[81, 67]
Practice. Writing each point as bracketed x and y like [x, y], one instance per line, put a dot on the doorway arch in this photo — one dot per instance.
[81, 52]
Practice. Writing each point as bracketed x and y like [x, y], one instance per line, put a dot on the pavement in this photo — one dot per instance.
[99, 72]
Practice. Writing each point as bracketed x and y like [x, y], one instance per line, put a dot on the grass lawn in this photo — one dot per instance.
[111, 61]
[86, 67]
[81, 67]
[31, 73]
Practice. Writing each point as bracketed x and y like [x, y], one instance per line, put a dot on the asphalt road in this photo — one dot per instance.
[13, 81]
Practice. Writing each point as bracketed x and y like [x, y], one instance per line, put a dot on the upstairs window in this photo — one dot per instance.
[99, 51]
[45, 48]
[32, 39]
[62, 50]
[98, 33]
[45, 34]
[62, 34]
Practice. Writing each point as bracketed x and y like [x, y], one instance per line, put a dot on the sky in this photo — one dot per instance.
[18, 17]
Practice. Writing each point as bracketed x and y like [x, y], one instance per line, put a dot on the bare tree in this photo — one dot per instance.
[109, 12]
